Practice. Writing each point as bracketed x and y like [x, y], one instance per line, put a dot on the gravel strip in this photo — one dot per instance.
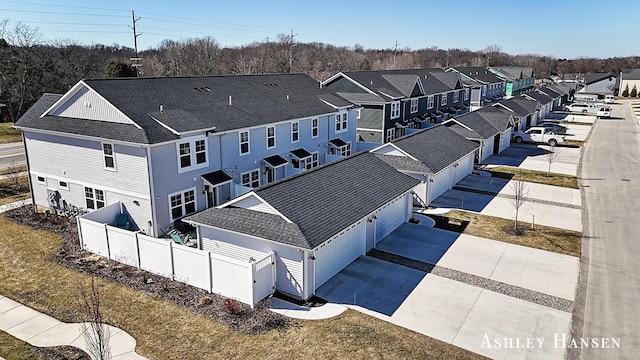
[492, 285]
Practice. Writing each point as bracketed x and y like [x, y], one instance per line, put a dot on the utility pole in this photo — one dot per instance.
[395, 52]
[291, 51]
[136, 62]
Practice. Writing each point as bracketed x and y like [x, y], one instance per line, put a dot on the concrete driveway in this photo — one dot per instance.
[463, 314]
[550, 205]
[577, 132]
[535, 157]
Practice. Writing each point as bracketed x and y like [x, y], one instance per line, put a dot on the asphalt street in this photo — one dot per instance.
[11, 152]
[607, 304]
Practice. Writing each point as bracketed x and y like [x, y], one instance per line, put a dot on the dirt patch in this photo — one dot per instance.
[238, 316]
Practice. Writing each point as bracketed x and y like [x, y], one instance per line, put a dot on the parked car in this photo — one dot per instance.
[582, 108]
[538, 134]
[553, 127]
[609, 99]
[603, 112]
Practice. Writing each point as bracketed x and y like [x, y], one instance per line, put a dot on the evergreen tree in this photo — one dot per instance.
[625, 92]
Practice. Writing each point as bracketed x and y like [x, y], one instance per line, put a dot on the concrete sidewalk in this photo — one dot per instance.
[42, 330]
[291, 310]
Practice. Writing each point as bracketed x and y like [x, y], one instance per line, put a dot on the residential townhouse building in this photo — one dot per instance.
[485, 86]
[525, 111]
[391, 101]
[600, 84]
[545, 102]
[169, 147]
[517, 79]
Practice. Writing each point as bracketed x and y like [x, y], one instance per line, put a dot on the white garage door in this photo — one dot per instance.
[487, 149]
[390, 217]
[339, 252]
[505, 140]
[465, 167]
[441, 183]
[421, 192]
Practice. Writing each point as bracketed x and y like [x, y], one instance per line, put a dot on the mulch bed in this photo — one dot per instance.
[63, 353]
[238, 316]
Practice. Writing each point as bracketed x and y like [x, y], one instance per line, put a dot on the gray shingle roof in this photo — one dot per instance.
[436, 147]
[514, 72]
[520, 106]
[631, 74]
[541, 98]
[499, 118]
[320, 202]
[403, 163]
[591, 78]
[98, 129]
[549, 92]
[461, 130]
[479, 124]
[200, 103]
[479, 73]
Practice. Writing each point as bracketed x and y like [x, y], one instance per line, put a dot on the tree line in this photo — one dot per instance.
[30, 67]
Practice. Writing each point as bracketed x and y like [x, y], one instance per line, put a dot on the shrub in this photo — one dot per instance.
[625, 92]
[205, 300]
[232, 306]
[634, 92]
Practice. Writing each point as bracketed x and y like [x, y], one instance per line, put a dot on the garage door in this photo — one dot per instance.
[390, 217]
[441, 183]
[336, 254]
[421, 192]
[505, 140]
[465, 167]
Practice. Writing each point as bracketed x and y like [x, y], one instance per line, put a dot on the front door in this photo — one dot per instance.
[270, 175]
[210, 191]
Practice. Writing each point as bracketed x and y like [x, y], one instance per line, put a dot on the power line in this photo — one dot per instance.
[59, 6]
[60, 13]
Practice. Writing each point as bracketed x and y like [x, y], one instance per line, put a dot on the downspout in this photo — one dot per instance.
[154, 217]
[26, 157]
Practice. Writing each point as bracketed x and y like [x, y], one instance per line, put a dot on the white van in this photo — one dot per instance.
[604, 112]
[609, 99]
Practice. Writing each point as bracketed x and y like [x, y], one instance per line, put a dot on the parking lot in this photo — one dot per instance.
[536, 157]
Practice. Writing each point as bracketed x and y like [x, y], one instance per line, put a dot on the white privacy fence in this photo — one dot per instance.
[248, 282]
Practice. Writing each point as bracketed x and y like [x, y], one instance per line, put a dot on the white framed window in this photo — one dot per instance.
[192, 154]
[456, 96]
[94, 198]
[109, 156]
[295, 132]
[250, 178]
[395, 110]
[314, 160]
[414, 106]
[271, 137]
[182, 203]
[391, 134]
[41, 180]
[244, 142]
[185, 155]
[443, 99]
[430, 102]
[466, 94]
[63, 185]
[341, 122]
[201, 151]
[314, 128]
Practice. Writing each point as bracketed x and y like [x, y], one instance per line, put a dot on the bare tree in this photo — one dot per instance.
[552, 156]
[15, 174]
[95, 332]
[519, 197]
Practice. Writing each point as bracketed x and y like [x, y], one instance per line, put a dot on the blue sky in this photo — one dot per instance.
[560, 28]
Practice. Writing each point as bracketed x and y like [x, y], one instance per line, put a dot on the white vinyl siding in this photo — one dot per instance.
[82, 161]
[87, 104]
[395, 110]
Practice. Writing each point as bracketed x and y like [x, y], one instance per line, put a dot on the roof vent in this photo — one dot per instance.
[287, 96]
[161, 108]
[230, 103]
[371, 82]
